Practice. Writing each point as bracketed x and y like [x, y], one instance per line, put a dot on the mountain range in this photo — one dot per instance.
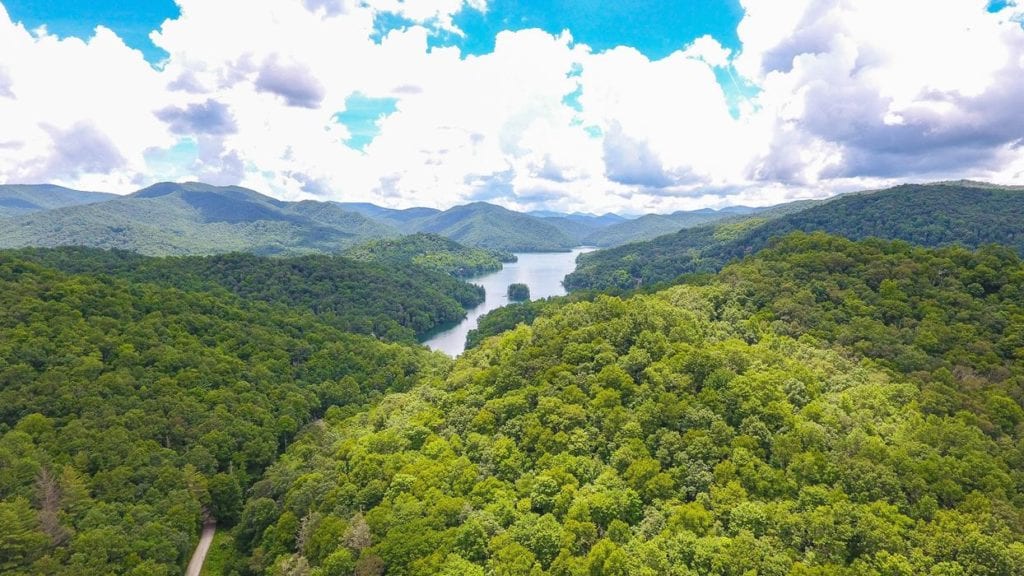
[21, 199]
[194, 218]
[963, 213]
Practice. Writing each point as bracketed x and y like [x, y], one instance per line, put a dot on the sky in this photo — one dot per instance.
[570, 105]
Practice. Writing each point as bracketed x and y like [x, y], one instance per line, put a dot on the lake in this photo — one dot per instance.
[541, 271]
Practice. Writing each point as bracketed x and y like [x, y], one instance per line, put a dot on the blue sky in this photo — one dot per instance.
[712, 104]
[132, 20]
[655, 27]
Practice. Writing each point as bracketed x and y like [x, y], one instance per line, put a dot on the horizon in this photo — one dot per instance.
[537, 212]
[571, 107]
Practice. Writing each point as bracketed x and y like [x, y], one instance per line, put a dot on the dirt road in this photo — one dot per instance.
[195, 565]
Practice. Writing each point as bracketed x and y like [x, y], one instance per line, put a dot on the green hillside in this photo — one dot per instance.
[488, 226]
[964, 213]
[397, 303]
[21, 199]
[430, 251]
[198, 219]
[126, 409]
[182, 219]
[820, 407]
[395, 217]
[825, 408]
[654, 225]
[576, 229]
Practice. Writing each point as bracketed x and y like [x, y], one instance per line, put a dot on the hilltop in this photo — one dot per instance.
[969, 214]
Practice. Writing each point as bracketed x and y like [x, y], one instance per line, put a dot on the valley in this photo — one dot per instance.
[828, 387]
[493, 288]
[541, 272]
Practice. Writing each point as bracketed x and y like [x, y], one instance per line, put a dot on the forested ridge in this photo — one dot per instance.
[433, 252]
[392, 302]
[822, 407]
[128, 408]
[825, 407]
[953, 213]
[191, 218]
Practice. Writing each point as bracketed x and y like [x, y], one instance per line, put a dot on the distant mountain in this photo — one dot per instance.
[965, 213]
[601, 221]
[578, 231]
[391, 216]
[21, 199]
[194, 218]
[430, 251]
[654, 225]
[493, 227]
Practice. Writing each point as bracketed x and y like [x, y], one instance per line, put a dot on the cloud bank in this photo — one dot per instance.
[820, 97]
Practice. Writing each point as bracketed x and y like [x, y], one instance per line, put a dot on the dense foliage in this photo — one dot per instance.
[504, 319]
[518, 292]
[964, 213]
[392, 302]
[127, 408]
[822, 407]
[827, 407]
[433, 252]
[642, 264]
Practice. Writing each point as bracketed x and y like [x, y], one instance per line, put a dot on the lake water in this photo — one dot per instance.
[541, 271]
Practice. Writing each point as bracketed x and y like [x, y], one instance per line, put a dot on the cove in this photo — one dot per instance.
[541, 271]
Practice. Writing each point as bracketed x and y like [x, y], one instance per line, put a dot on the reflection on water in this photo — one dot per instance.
[542, 272]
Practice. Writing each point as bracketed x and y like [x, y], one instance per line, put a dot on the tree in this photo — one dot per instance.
[225, 498]
[518, 292]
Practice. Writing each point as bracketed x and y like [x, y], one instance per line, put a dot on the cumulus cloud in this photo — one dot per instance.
[862, 89]
[293, 82]
[187, 82]
[329, 7]
[210, 117]
[80, 149]
[81, 109]
[842, 94]
[709, 50]
[632, 162]
[6, 83]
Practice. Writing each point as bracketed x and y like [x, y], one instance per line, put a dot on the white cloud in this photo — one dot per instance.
[98, 90]
[847, 93]
[709, 50]
[868, 88]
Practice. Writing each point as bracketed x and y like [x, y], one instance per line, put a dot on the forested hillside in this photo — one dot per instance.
[822, 407]
[433, 252]
[965, 213]
[392, 302]
[826, 407]
[18, 200]
[195, 218]
[126, 409]
[654, 225]
[493, 227]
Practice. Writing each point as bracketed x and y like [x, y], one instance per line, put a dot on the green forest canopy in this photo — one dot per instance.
[127, 408]
[826, 407]
[433, 252]
[956, 213]
[396, 303]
